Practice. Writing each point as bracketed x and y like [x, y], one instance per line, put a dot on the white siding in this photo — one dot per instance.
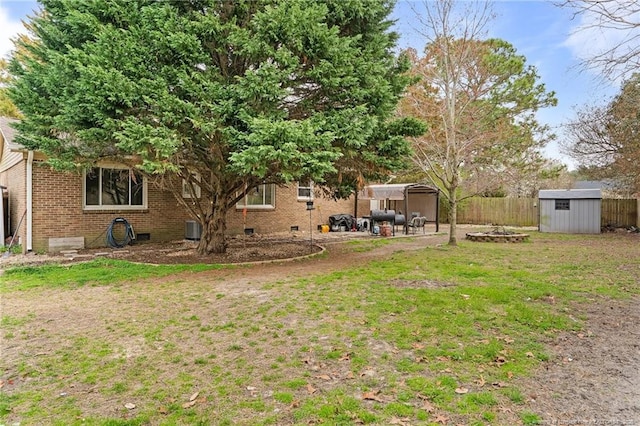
[10, 153]
[9, 158]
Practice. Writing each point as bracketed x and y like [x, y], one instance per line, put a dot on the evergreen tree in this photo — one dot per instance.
[224, 95]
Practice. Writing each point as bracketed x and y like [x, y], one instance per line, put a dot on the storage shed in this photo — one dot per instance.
[570, 211]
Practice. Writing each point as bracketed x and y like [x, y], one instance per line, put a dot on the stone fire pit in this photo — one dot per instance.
[497, 235]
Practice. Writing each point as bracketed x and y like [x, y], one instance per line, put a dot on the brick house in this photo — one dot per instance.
[48, 208]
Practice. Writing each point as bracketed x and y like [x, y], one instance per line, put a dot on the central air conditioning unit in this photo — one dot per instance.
[193, 230]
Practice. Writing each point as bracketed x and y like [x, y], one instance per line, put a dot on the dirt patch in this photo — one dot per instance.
[184, 252]
[593, 376]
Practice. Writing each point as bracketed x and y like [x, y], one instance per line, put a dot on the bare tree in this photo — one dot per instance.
[588, 138]
[620, 19]
[605, 140]
[478, 99]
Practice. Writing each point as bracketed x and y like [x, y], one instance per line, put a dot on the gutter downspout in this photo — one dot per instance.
[2, 213]
[29, 224]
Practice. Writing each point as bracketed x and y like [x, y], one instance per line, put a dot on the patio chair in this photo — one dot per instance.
[417, 222]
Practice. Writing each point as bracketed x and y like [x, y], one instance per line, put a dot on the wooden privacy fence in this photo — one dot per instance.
[524, 211]
[619, 212]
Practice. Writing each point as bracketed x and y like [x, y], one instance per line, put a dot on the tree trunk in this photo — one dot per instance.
[214, 226]
[453, 219]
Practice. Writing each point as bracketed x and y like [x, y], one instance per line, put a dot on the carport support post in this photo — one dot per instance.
[355, 207]
[407, 215]
[438, 210]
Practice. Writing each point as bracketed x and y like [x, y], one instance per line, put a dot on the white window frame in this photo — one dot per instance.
[242, 204]
[185, 187]
[306, 188]
[106, 207]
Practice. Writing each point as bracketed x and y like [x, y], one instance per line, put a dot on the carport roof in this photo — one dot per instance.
[393, 191]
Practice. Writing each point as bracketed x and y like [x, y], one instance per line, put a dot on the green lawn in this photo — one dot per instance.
[418, 337]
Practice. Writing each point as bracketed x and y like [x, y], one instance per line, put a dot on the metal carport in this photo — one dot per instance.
[408, 198]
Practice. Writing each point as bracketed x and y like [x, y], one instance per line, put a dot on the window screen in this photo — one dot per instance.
[563, 204]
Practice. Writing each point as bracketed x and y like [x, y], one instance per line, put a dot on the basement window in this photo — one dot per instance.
[563, 204]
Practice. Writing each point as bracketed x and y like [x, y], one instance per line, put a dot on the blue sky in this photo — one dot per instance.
[545, 34]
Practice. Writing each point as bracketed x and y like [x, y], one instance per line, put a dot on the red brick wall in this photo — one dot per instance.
[58, 212]
[289, 211]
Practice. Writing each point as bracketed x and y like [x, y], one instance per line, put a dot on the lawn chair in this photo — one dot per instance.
[417, 222]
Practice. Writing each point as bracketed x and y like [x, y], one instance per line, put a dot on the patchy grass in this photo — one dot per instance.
[437, 333]
[100, 271]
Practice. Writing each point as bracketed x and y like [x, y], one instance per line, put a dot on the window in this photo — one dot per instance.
[305, 193]
[563, 204]
[113, 188]
[186, 193]
[260, 197]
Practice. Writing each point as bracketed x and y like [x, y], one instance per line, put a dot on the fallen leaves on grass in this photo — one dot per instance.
[193, 399]
[368, 371]
[500, 360]
[346, 357]
[188, 404]
[461, 390]
[310, 389]
[426, 404]
[372, 396]
[441, 419]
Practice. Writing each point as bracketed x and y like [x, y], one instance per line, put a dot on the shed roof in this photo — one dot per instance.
[393, 191]
[569, 194]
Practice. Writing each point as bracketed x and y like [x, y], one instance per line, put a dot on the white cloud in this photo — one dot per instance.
[10, 29]
[588, 39]
[592, 37]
